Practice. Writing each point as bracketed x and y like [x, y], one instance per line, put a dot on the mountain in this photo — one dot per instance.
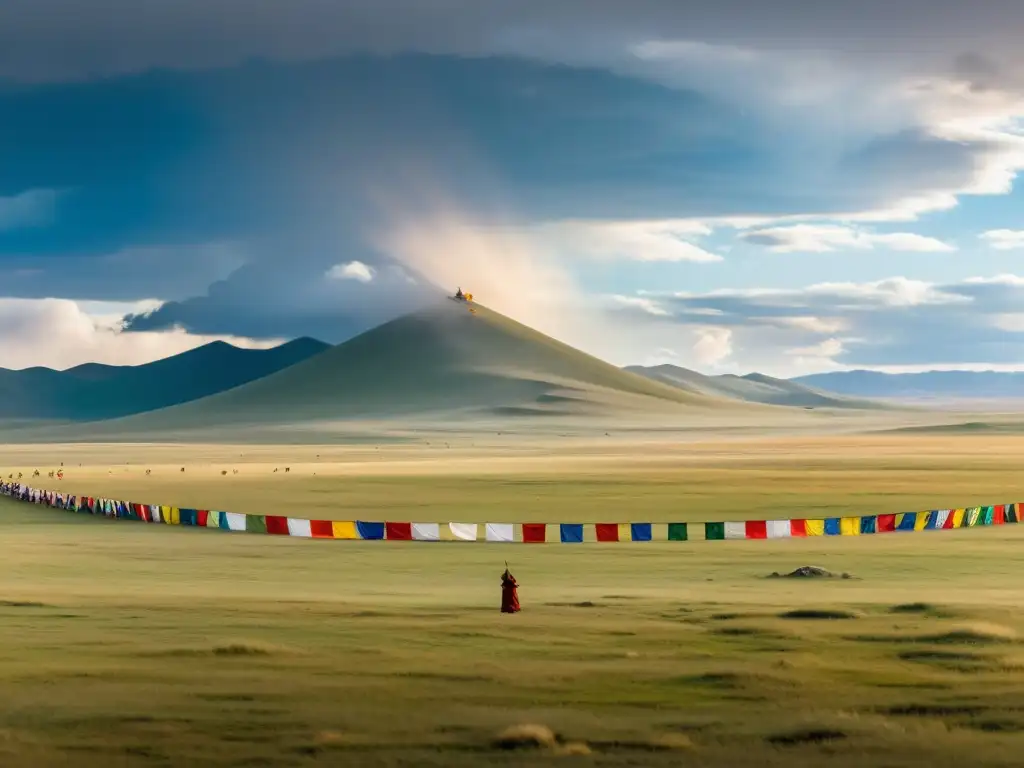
[928, 385]
[444, 361]
[752, 388]
[92, 391]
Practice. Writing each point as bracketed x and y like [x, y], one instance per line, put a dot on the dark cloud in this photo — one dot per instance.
[293, 296]
[41, 39]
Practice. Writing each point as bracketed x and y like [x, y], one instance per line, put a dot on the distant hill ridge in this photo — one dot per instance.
[966, 385]
[751, 388]
[94, 391]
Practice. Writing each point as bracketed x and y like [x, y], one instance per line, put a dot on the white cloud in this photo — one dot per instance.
[670, 240]
[60, 333]
[353, 270]
[807, 323]
[712, 345]
[827, 349]
[824, 238]
[1004, 239]
[33, 208]
[649, 306]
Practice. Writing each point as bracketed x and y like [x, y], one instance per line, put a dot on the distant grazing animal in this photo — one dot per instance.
[182, 469]
[275, 469]
[223, 471]
[234, 471]
[287, 469]
[36, 473]
[149, 471]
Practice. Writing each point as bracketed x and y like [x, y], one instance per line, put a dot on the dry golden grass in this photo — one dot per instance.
[135, 645]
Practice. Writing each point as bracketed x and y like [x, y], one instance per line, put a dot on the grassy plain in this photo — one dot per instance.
[125, 644]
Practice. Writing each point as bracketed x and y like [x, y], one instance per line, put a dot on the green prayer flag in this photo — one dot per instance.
[255, 524]
[714, 531]
[677, 532]
[987, 516]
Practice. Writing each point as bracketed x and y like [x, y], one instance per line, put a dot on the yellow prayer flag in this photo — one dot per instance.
[815, 527]
[958, 518]
[344, 530]
[849, 526]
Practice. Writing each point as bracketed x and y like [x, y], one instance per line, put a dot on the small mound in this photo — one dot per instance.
[934, 710]
[669, 741]
[817, 614]
[807, 572]
[995, 726]
[942, 656]
[248, 648]
[572, 749]
[809, 736]
[526, 736]
[21, 604]
[920, 608]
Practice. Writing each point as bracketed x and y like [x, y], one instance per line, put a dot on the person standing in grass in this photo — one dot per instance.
[509, 592]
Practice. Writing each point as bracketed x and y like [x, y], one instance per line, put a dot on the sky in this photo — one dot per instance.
[725, 185]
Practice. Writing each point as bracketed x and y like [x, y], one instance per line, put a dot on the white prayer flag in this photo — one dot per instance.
[426, 532]
[463, 531]
[500, 532]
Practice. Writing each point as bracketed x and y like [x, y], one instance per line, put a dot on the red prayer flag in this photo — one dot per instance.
[950, 519]
[885, 524]
[607, 531]
[202, 517]
[398, 531]
[277, 525]
[797, 527]
[534, 533]
[757, 529]
[321, 529]
[999, 515]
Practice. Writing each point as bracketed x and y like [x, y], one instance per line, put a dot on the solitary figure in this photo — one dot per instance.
[509, 593]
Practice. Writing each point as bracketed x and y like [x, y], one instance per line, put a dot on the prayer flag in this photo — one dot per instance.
[571, 533]
[465, 531]
[849, 526]
[867, 524]
[344, 529]
[814, 527]
[714, 531]
[833, 526]
[398, 531]
[779, 529]
[885, 524]
[798, 528]
[756, 529]
[735, 531]
[607, 531]
[677, 532]
[300, 527]
[276, 525]
[321, 529]
[640, 531]
[235, 521]
[534, 533]
[370, 531]
[500, 532]
[255, 524]
[426, 532]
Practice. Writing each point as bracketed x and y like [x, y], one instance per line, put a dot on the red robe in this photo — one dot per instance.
[509, 593]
